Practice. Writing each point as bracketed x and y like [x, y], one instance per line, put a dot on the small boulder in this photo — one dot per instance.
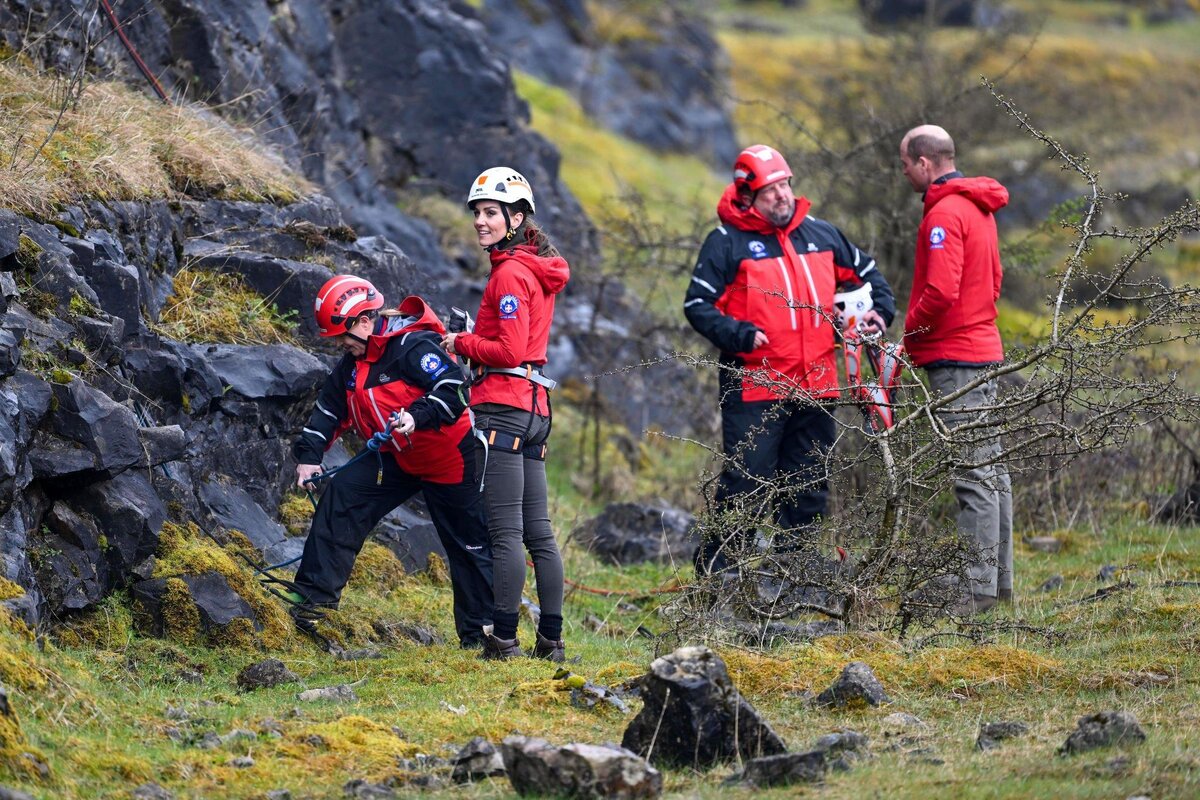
[478, 759]
[264, 675]
[992, 733]
[13, 794]
[633, 533]
[784, 769]
[694, 716]
[151, 791]
[536, 767]
[857, 686]
[1103, 729]
[1051, 584]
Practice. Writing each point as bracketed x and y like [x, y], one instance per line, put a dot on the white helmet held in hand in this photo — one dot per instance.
[502, 184]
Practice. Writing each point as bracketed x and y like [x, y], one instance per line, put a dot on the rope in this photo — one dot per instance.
[137, 59]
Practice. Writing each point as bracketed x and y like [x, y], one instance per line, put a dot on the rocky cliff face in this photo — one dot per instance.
[364, 96]
[109, 428]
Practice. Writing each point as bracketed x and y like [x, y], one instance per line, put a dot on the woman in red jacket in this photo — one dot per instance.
[510, 399]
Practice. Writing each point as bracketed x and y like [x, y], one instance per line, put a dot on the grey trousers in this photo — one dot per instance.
[984, 494]
[518, 513]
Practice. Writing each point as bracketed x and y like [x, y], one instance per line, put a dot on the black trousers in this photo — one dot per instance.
[780, 441]
[352, 505]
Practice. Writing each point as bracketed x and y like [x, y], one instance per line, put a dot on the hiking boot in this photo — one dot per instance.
[500, 649]
[549, 649]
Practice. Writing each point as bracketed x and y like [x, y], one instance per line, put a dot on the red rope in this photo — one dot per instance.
[134, 53]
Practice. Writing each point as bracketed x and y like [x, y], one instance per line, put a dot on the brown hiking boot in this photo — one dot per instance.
[500, 649]
[549, 649]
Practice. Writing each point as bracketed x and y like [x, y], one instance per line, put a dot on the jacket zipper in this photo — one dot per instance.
[812, 291]
[791, 297]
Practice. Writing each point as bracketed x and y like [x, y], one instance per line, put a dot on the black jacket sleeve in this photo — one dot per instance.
[325, 421]
[856, 267]
[715, 269]
[428, 367]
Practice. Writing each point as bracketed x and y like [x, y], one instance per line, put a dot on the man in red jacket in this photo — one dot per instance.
[950, 330]
[762, 293]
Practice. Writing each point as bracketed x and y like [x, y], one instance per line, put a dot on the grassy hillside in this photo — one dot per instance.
[62, 142]
[105, 708]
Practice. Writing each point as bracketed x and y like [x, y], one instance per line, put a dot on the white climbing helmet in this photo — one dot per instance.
[502, 184]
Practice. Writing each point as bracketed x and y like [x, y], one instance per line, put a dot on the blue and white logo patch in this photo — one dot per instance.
[936, 237]
[757, 248]
[432, 363]
[508, 306]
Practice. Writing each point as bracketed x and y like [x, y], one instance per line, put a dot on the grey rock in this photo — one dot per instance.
[234, 508]
[1103, 729]
[394, 631]
[411, 537]
[7, 793]
[634, 533]
[1051, 584]
[242, 762]
[216, 601]
[342, 693]
[68, 556]
[536, 767]
[358, 788]
[478, 759]
[162, 444]
[151, 791]
[279, 794]
[842, 742]
[1107, 573]
[856, 686]
[693, 716]
[129, 514]
[264, 675]
[992, 733]
[104, 428]
[209, 741]
[784, 769]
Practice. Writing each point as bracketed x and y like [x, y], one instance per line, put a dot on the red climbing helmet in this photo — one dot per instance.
[757, 166]
[343, 299]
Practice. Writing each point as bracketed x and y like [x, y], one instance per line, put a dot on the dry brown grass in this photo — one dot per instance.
[118, 144]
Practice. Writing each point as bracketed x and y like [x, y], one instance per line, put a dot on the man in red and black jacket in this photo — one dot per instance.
[950, 330]
[394, 377]
[762, 293]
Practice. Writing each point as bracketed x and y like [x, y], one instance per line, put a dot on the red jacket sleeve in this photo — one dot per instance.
[943, 273]
[509, 292]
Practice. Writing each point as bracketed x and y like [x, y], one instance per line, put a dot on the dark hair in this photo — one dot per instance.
[529, 232]
[936, 148]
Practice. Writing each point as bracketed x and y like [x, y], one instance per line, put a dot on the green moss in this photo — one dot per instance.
[9, 590]
[81, 306]
[180, 616]
[27, 253]
[108, 627]
[295, 512]
[65, 227]
[185, 550]
[219, 307]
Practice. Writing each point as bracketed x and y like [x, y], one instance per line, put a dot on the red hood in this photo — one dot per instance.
[750, 220]
[411, 306]
[552, 273]
[986, 193]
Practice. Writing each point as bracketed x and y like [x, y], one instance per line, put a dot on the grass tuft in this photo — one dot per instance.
[217, 307]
